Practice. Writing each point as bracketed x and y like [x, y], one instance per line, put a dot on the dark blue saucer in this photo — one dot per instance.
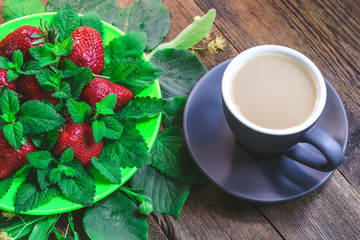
[225, 162]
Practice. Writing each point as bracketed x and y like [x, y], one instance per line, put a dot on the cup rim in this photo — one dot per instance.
[244, 56]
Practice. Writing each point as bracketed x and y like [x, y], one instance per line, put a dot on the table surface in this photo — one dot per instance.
[328, 32]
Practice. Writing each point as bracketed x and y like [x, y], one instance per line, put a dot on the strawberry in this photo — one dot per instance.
[88, 49]
[4, 81]
[11, 159]
[99, 88]
[29, 87]
[80, 137]
[19, 39]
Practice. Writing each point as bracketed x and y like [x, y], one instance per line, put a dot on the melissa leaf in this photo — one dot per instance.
[181, 71]
[67, 155]
[64, 91]
[4, 63]
[19, 8]
[113, 217]
[78, 110]
[147, 16]
[12, 75]
[167, 195]
[67, 20]
[18, 59]
[171, 157]
[40, 159]
[113, 129]
[9, 102]
[98, 130]
[141, 107]
[48, 80]
[44, 57]
[108, 166]
[174, 111]
[77, 82]
[5, 185]
[14, 132]
[38, 117]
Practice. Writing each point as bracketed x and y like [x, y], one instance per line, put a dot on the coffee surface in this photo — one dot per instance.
[274, 92]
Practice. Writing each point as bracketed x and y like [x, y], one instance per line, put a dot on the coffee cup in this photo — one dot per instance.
[272, 98]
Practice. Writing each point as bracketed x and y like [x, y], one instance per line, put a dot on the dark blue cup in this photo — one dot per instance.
[269, 142]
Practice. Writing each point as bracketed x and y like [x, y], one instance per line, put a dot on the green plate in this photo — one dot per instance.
[149, 130]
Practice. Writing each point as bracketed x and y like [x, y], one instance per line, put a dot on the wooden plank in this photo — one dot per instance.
[210, 213]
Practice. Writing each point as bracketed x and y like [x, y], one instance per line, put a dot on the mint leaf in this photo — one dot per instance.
[67, 155]
[42, 229]
[113, 217]
[55, 175]
[147, 16]
[181, 71]
[40, 159]
[136, 75]
[167, 195]
[192, 34]
[79, 190]
[129, 45]
[141, 107]
[9, 102]
[106, 105]
[43, 176]
[18, 59]
[19, 8]
[98, 130]
[67, 20]
[31, 68]
[48, 80]
[64, 91]
[14, 132]
[69, 69]
[30, 195]
[78, 110]
[130, 149]
[113, 129]
[38, 117]
[109, 167]
[12, 75]
[174, 111]
[82, 77]
[5, 185]
[4, 63]
[106, 8]
[170, 156]
[44, 57]
[64, 48]
[92, 19]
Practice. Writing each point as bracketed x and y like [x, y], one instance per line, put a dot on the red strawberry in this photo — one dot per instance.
[4, 81]
[88, 49]
[11, 159]
[80, 138]
[29, 87]
[99, 88]
[19, 39]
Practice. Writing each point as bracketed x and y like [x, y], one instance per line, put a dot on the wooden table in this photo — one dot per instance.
[328, 32]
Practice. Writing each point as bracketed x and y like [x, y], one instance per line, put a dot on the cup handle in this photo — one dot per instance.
[333, 154]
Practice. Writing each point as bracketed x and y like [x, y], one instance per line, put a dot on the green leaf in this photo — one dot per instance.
[67, 155]
[141, 107]
[181, 71]
[48, 80]
[38, 117]
[135, 75]
[79, 190]
[31, 68]
[129, 45]
[42, 229]
[92, 19]
[113, 217]
[21, 228]
[113, 129]
[40, 159]
[55, 175]
[64, 48]
[130, 149]
[64, 91]
[82, 77]
[12, 75]
[9, 102]
[192, 34]
[30, 195]
[18, 59]
[167, 195]
[43, 177]
[44, 57]
[69, 69]
[14, 132]
[78, 110]
[67, 20]
[5, 185]
[174, 111]
[106, 8]
[19, 8]
[147, 16]
[171, 157]
[4, 63]
[109, 167]
[9, 118]
[98, 130]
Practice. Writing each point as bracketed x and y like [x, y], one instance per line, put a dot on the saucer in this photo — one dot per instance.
[226, 163]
